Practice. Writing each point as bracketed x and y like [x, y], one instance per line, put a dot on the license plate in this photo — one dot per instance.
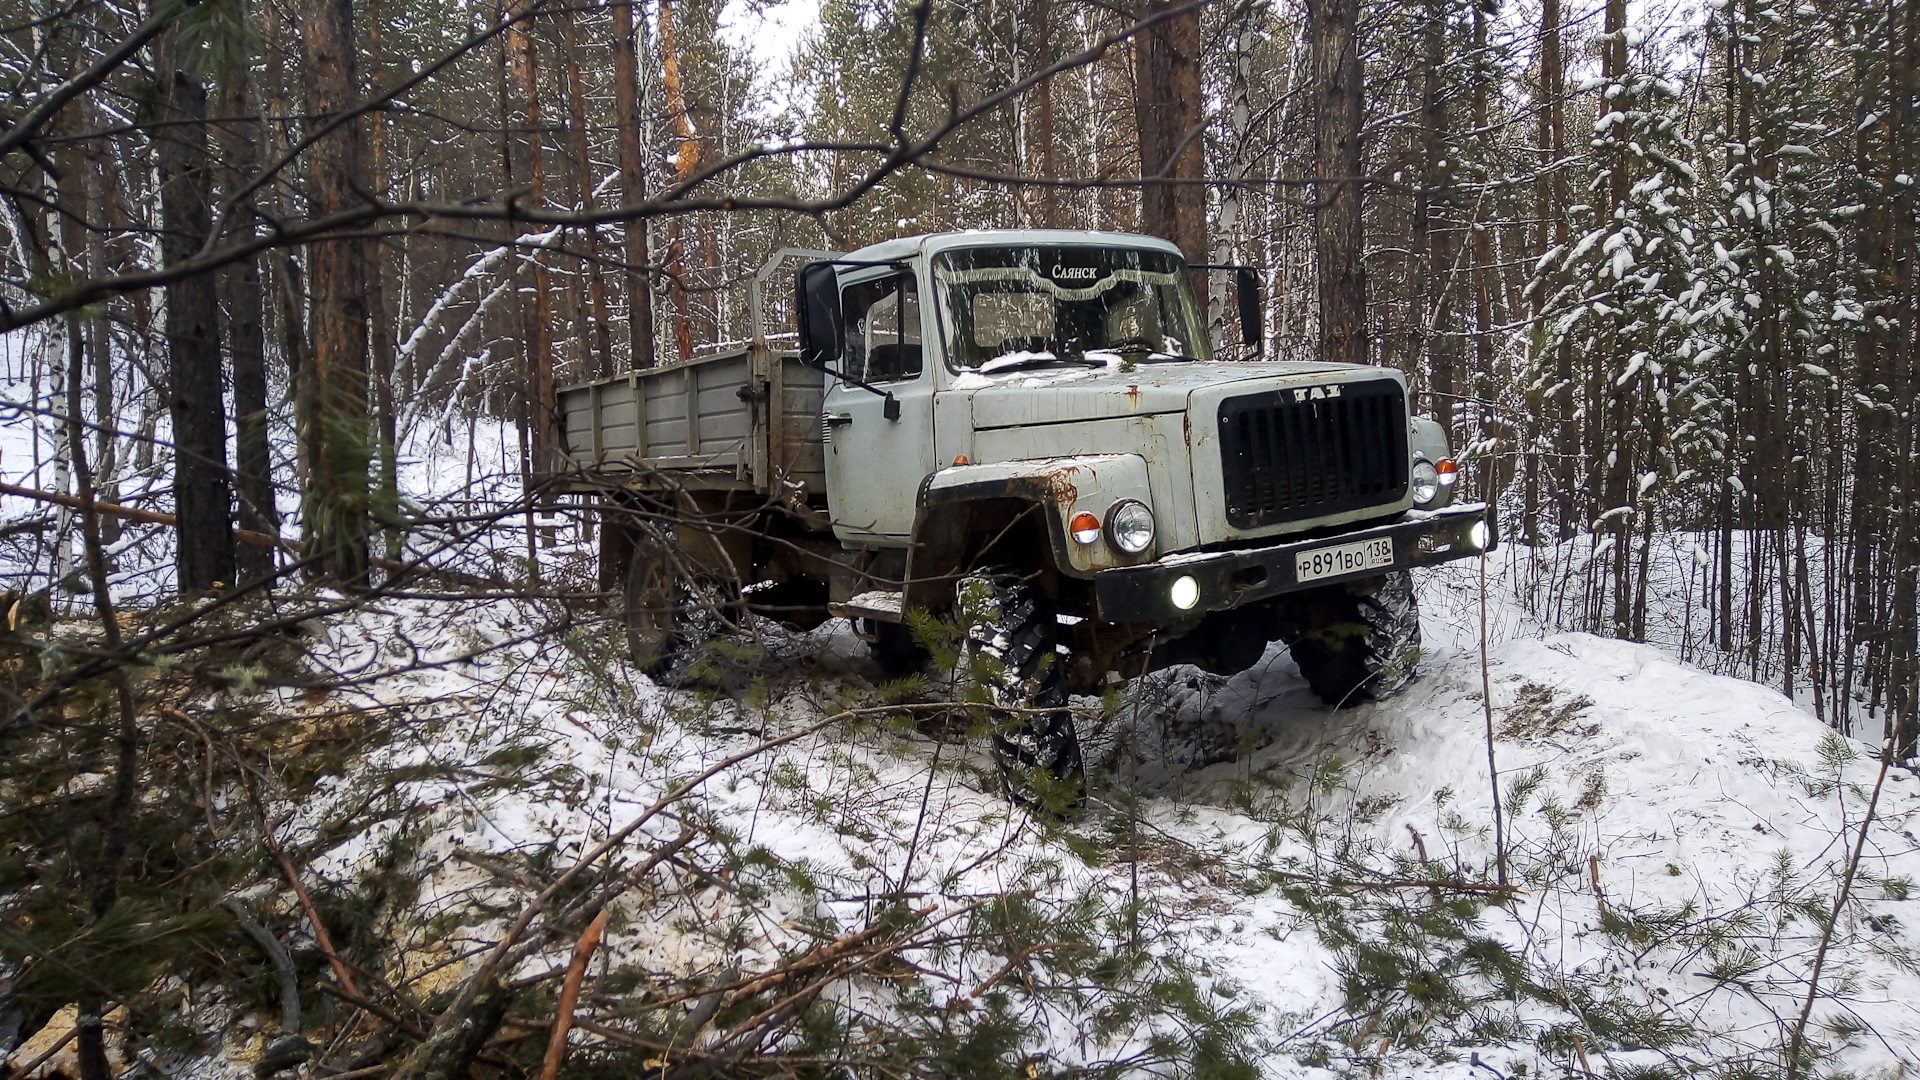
[1343, 559]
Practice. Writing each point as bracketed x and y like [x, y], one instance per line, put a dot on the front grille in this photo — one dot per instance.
[1289, 456]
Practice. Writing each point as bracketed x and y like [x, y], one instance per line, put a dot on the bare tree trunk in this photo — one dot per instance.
[1230, 233]
[1551, 421]
[239, 142]
[1903, 699]
[686, 162]
[1339, 241]
[540, 400]
[638, 276]
[1482, 229]
[1049, 195]
[335, 428]
[599, 364]
[1433, 240]
[379, 318]
[1169, 120]
[202, 496]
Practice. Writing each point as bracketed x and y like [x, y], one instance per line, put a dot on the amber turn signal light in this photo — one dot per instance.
[1085, 527]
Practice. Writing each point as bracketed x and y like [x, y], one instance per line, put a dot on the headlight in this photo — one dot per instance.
[1130, 526]
[1426, 482]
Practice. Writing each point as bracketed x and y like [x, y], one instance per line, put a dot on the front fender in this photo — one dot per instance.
[1058, 488]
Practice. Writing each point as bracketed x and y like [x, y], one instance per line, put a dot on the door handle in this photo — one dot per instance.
[835, 420]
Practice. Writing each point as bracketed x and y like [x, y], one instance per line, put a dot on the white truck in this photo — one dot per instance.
[1028, 428]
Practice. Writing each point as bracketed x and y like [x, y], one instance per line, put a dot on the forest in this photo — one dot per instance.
[318, 754]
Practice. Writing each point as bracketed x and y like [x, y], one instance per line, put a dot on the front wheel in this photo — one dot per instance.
[1358, 641]
[1008, 653]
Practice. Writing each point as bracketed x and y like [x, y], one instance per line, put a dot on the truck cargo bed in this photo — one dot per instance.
[708, 421]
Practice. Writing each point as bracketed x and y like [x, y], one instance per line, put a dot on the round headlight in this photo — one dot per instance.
[1130, 526]
[1426, 482]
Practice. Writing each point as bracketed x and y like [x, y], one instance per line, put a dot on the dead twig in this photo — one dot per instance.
[570, 995]
[1025, 955]
[1833, 917]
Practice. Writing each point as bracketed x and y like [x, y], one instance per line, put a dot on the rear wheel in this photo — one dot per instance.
[672, 609]
[1008, 653]
[1356, 642]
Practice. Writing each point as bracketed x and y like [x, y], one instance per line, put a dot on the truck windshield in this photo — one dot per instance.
[1012, 307]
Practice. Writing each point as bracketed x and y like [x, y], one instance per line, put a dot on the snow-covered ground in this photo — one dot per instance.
[1674, 837]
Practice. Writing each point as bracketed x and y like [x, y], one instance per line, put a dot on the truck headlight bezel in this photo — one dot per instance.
[1130, 527]
[1424, 482]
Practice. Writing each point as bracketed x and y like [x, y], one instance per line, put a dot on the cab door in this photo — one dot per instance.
[874, 463]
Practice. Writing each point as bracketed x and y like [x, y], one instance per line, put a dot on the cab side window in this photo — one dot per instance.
[882, 324]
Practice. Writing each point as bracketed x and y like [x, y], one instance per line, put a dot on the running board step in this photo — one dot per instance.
[878, 605]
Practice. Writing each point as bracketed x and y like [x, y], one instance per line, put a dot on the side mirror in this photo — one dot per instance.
[816, 308]
[1247, 290]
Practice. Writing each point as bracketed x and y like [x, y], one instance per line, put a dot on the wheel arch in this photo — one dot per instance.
[957, 504]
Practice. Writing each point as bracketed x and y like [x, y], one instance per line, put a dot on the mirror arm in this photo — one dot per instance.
[891, 410]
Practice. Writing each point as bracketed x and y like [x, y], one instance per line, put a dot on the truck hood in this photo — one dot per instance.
[1063, 394]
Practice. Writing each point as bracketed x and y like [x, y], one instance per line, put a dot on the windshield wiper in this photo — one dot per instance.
[1016, 363]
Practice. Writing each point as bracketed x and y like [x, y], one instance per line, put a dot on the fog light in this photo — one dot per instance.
[1085, 527]
[1185, 592]
[1478, 535]
[1449, 471]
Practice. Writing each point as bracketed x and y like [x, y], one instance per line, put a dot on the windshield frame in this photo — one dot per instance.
[940, 285]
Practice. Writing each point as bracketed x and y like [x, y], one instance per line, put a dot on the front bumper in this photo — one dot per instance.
[1230, 579]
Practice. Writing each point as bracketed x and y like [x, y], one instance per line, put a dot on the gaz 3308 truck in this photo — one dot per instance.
[1029, 429]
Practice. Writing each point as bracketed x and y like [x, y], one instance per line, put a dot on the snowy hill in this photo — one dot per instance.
[1302, 889]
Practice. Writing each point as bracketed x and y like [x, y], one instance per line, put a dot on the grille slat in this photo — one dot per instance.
[1286, 458]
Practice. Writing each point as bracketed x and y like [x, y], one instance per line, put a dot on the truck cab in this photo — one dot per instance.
[1058, 391]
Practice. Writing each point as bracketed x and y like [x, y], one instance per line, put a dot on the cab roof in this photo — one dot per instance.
[907, 247]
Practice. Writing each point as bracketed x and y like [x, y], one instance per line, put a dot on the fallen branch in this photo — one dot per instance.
[457, 1015]
[570, 995]
[134, 513]
[245, 536]
[1839, 907]
[1025, 955]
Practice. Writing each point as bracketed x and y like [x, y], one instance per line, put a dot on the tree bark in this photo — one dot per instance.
[1169, 120]
[239, 142]
[335, 427]
[1551, 200]
[686, 161]
[540, 399]
[637, 276]
[1338, 235]
[597, 361]
[1432, 225]
[1049, 195]
[379, 318]
[202, 495]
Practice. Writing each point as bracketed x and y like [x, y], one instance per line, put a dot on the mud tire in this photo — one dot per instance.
[1356, 642]
[1008, 650]
[671, 611]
